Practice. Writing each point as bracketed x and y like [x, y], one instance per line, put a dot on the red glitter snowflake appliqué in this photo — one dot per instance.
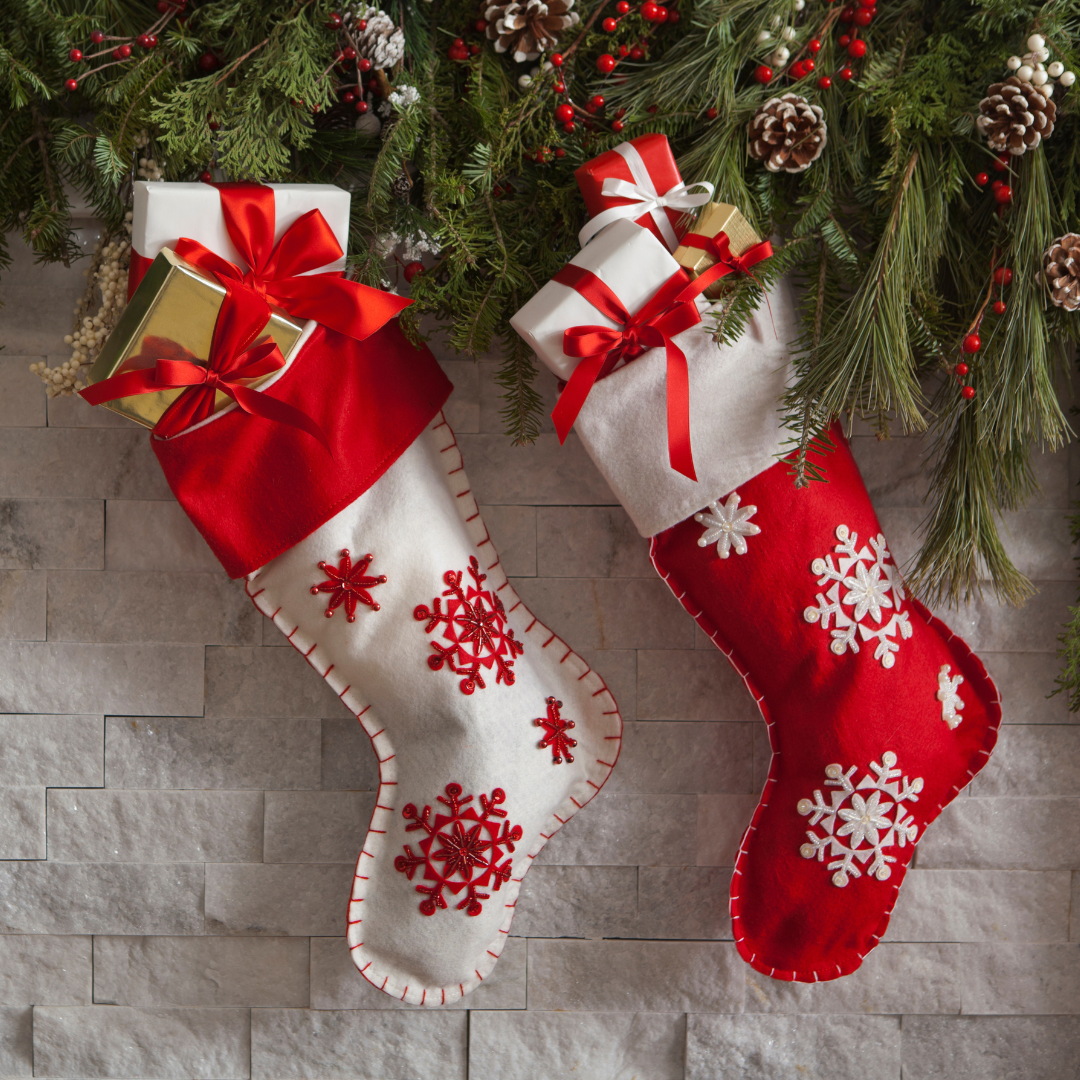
[475, 626]
[348, 584]
[461, 851]
[555, 728]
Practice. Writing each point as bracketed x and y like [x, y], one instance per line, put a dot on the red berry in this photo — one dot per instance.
[1003, 276]
[857, 48]
[999, 307]
[412, 270]
[564, 113]
[481, 26]
[997, 184]
[457, 52]
[474, 49]
[597, 101]
[163, 6]
[847, 14]
[1001, 162]
[617, 126]
[961, 369]
[72, 85]
[334, 21]
[672, 16]
[982, 179]
[214, 125]
[97, 36]
[458, 41]
[824, 82]
[208, 61]
[846, 73]
[556, 59]
[797, 71]
[813, 45]
[348, 97]
[844, 40]
[648, 11]
[652, 109]
[661, 14]
[361, 107]
[124, 51]
[361, 25]
[972, 343]
[1003, 194]
[863, 17]
[205, 176]
[75, 55]
[622, 7]
[559, 88]
[349, 52]
[143, 41]
[808, 64]
[763, 74]
[569, 126]
[712, 113]
[620, 113]
[637, 53]
[605, 63]
[560, 152]
[968, 392]
[152, 38]
[609, 25]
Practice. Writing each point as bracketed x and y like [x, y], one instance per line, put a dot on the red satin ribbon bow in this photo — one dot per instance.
[719, 247]
[670, 311]
[275, 270]
[232, 361]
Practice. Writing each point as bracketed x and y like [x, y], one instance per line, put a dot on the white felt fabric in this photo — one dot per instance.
[419, 521]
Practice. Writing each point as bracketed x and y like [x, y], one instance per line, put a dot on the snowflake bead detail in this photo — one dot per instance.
[727, 526]
[555, 728]
[872, 587]
[348, 584]
[475, 626]
[461, 851]
[951, 701]
[863, 822]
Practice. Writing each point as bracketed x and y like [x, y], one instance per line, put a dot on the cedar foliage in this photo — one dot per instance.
[891, 240]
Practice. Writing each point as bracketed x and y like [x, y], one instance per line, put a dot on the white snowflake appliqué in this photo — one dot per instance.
[727, 526]
[867, 584]
[951, 701]
[861, 830]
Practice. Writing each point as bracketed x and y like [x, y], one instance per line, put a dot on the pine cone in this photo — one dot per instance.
[380, 41]
[528, 29]
[787, 133]
[1016, 116]
[1061, 265]
[402, 186]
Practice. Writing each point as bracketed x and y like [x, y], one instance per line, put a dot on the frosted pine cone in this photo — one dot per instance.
[1061, 265]
[380, 41]
[528, 29]
[787, 133]
[1015, 116]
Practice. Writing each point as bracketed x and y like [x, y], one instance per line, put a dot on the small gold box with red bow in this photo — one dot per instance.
[172, 315]
[716, 218]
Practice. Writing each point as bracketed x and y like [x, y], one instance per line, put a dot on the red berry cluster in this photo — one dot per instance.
[1000, 189]
[147, 40]
[1001, 278]
[351, 68]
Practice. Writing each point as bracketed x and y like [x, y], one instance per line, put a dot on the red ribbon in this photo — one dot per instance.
[275, 270]
[668, 312]
[233, 360]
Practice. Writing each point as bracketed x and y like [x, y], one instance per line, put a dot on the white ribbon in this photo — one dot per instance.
[646, 199]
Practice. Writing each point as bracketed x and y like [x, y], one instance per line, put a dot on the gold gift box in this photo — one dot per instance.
[172, 315]
[714, 219]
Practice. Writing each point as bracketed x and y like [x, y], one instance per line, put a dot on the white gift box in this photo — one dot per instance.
[735, 428]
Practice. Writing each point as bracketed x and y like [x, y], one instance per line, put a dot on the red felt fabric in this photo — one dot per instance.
[254, 488]
[790, 921]
[655, 151]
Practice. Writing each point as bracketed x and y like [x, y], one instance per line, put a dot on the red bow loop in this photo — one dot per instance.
[719, 247]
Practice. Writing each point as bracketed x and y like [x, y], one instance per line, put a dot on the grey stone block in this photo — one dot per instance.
[149, 606]
[316, 826]
[74, 411]
[1024, 680]
[16, 1042]
[154, 535]
[676, 757]
[1038, 543]
[590, 541]
[627, 830]
[608, 613]
[22, 605]
[1032, 759]
[179, 752]
[135, 679]
[1051, 471]
[990, 1047]
[982, 905]
[618, 668]
[348, 760]
[193, 971]
[113, 1043]
[635, 976]
[94, 825]
[542, 474]
[1006, 834]
[51, 751]
[998, 627]
[895, 471]
[38, 969]
[893, 979]
[721, 822]
[297, 899]
[22, 823]
[462, 410]
[339, 1045]
[79, 463]
[556, 1045]
[513, 532]
[1030, 979]
[577, 901]
[48, 534]
[691, 684]
[22, 393]
[336, 984]
[258, 682]
[110, 898]
[762, 755]
[687, 902]
[792, 1047]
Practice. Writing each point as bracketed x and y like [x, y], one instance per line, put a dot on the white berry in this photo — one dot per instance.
[1038, 78]
[764, 36]
[800, 4]
[525, 81]
[1036, 41]
[1024, 73]
[1047, 91]
[788, 34]
[781, 55]
[1055, 69]
[1013, 63]
[1067, 79]
[1042, 55]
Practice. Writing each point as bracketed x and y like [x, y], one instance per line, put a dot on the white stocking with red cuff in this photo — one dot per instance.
[490, 731]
